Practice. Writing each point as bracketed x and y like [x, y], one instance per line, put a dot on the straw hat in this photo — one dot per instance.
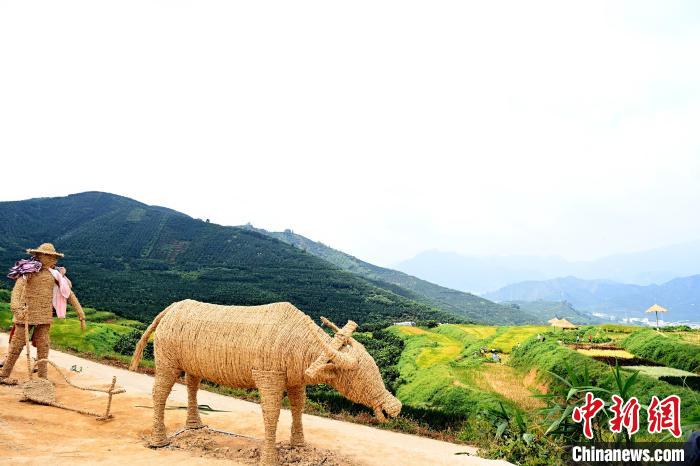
[46, 249]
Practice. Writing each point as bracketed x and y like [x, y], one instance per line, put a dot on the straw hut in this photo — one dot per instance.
[562, 323]
[656, 309]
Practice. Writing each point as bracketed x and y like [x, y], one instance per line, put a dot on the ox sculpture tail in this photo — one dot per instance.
[141, 345]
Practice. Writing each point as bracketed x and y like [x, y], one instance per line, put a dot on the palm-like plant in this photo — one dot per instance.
[571, 392]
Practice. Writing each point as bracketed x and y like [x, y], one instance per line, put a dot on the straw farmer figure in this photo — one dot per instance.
[32, 303]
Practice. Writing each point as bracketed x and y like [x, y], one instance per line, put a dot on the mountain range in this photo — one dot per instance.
[545, 310]
[135, 259]
[681, 296]
[457, 302]
[482, 274]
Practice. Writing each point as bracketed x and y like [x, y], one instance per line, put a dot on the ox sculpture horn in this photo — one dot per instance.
[331, 351]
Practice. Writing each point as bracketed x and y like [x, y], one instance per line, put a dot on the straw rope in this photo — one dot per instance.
[273, 347]
[210, 429]
[87, 389]
[42, 391]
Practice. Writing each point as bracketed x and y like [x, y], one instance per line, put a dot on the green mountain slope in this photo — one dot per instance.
[452, 301]
[135, 259]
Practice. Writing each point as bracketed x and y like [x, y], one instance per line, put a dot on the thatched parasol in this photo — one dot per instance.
[656, 309]
[562, 323]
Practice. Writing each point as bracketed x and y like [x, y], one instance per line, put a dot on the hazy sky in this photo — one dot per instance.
[380, 128]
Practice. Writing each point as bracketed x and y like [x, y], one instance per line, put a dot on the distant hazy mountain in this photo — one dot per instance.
[487, 273]
[451, 301]
[545, 310]
[479, 273]
[681, 296]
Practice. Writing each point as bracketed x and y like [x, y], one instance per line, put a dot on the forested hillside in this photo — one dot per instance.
[456, 302]
[135, 259]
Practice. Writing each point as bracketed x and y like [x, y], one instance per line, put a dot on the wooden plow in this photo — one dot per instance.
[43, 392]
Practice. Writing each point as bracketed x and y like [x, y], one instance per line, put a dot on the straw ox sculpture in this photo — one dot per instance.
[273, 347]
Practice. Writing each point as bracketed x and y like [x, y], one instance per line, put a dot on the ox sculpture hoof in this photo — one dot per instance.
[194, 425]
[8, 381]
[297, 440]
[268, 458]
[159, 442]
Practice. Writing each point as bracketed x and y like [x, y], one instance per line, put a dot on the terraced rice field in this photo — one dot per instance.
[479, 331]
[510, 383]
[690, 337]
[445, 368]
[607, 353]
[411, 330]
[616, 328]
[660, 371]
[444, 349]
[511, 336]
[439, 372]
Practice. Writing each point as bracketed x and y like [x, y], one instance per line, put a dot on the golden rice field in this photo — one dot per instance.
[507, 340]
[690, 337]
[660, 371]
[512, 384]
[436, 367]
[444, 349]
[479, 331]
[617, 328]
[411, 330]
[445, 352]
[607, 353]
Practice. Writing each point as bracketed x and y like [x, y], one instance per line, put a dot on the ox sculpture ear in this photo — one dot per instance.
[322, 373]
[330, 352]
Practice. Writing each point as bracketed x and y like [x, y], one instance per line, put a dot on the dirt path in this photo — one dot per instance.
[32, 434]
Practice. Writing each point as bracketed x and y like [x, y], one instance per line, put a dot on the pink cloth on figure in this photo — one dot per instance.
[61, 293]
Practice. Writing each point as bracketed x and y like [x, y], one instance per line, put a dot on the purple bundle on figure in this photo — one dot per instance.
[23, 267]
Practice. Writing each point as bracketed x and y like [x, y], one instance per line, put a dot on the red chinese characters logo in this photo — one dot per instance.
[625, 415]
[665, 415]
[587, 412]
[661, 415]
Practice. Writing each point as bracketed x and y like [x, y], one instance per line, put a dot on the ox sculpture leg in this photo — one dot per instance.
[297, 396]
[271, 385]
[162, 385]
[193, 419]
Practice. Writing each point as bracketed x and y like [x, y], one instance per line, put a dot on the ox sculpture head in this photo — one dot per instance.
[347, 366]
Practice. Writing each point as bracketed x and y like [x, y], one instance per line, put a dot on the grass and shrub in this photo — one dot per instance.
[670, 374]
[432, 377]
[588, 334]
[104, 329]
[664, 349]
[559, 361]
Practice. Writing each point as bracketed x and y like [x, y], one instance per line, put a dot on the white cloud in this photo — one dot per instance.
[381, 128]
